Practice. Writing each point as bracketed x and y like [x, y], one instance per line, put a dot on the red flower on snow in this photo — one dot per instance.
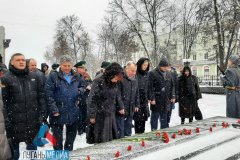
[214, 125]
[129, 148]
[165, 137]
[189, 132]
[117, 154]
[197, 130]
[142, 143]
[210, 129]
[179, 132]
[174, 136]
[158, 134]
[238, 121]
[88, 157]
[185, 131]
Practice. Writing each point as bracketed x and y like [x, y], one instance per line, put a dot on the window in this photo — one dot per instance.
[194, 57]
[194, 70]
[206, 55]
[206, 70]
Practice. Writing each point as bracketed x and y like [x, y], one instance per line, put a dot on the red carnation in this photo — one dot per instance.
[143, 143]
[185, 131]
[189, 132]
[88, 157]
[129, 148]
[210, 129]
[223, 124]
[174, 136]
[158, 134]
[214, 125]
[117, 154]
[165, 137]
[179, 132]
[226, 125]
[197, 130]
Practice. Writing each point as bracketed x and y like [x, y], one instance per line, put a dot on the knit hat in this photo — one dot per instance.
[164, 63]
[235, 59]
[80, 64]
[105, 64]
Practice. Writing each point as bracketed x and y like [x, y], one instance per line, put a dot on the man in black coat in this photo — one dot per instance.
[82, 124]
[161, 94]
[130, 97]
[24, 103]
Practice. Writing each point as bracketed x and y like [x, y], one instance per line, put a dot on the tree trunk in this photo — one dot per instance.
[220, 45]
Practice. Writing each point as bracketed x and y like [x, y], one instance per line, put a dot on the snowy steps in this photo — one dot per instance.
[203, 145]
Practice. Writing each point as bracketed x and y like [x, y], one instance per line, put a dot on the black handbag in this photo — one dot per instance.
[90, 133]
[198, 114]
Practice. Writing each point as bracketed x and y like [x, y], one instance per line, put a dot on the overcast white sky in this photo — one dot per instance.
[30, 24]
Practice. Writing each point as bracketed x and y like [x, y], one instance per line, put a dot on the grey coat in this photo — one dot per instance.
[232, 79]
[5, 152]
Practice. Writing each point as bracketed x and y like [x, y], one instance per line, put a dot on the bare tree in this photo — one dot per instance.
[116, 40]
[72, 30]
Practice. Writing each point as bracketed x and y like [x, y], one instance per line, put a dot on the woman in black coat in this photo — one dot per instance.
[142, 115]
[189, 93]
[102, 103]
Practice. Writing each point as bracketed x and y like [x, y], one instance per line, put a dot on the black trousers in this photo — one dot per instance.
[71, 132]
[139, 126]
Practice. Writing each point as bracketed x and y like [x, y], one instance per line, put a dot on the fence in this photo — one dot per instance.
[209, 81]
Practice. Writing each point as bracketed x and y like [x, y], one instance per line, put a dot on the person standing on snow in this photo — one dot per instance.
[103, 102]
[142, 115]
[130, 97]
[80, 69]
[231, 81]
[5, 151]
[189, 94]
[161, 94]
[24, 103]
[64, 89]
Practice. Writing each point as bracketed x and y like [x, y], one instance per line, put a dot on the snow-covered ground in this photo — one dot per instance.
[210, 105]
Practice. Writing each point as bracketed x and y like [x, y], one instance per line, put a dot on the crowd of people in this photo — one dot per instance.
[104, 108]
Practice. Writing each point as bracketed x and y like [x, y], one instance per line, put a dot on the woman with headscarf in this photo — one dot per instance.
[103, 102]
[189, 94]
[142, 115]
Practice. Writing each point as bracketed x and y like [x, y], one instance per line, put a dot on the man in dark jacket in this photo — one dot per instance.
[130, 97]
[175, 82]
[32, 67]
[231, 81]
[24, 103]
[161, 94]
[82, 124]
[64, 89]
[104, 65]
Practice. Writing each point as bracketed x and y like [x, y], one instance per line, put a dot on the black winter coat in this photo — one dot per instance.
[101, 105]
[161, 89]
[130, 94]
[189, 93]
[24, 101]
[142, 78]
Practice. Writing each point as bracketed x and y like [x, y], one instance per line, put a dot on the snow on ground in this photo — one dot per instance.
[199, 143]
[210, 105]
